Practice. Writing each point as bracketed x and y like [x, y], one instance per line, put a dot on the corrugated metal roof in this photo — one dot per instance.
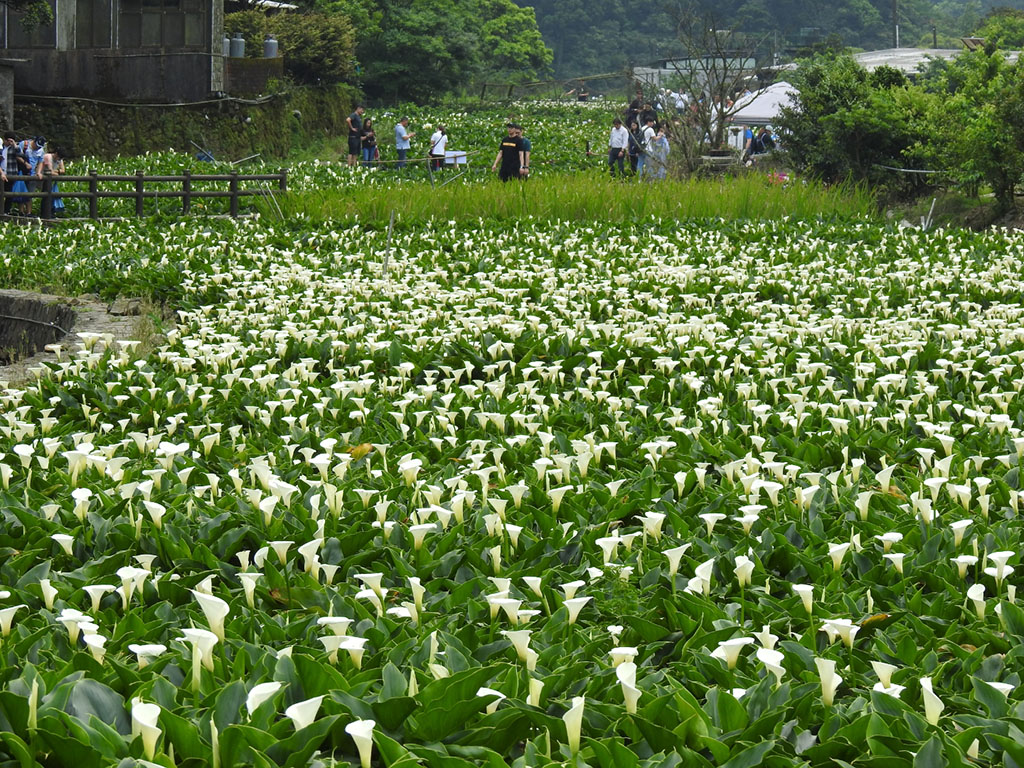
[908, 60]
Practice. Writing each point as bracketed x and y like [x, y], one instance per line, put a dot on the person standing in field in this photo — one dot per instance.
[657, 161]
[646, 137]
[402, 143]
[618, 147]
[368, 142]
[636, 141]
[51, 165]
[355, 129]
[12, 163]
[510, 154]
[527, 149]
[438, 144]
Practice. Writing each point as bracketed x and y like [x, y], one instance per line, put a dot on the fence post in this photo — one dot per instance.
[94, 188]
[186, 192]
[283, 184]
[234, 195]
[47, 204]
[139, 178]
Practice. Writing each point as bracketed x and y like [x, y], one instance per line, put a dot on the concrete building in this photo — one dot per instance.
[123, 50]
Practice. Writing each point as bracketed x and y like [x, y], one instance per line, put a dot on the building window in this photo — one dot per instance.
[92, 24]
[37, 36]
[162, 23]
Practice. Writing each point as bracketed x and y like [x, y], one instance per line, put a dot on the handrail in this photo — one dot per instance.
[139, 193]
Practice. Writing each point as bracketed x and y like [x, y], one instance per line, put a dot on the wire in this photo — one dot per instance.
[35, 322]
[261, 100]
[904, 170]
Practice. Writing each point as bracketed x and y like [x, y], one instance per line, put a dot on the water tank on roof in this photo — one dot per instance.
[269, 47]
[237, 46]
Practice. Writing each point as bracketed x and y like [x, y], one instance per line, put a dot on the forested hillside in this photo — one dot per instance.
[596, 36]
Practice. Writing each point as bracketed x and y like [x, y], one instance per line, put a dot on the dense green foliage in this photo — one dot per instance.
[318, 48]
[601, 36]
[961, 119]
[847, 124]
[415, 50]
[1003, 27]
[564, 180]
[586, 198]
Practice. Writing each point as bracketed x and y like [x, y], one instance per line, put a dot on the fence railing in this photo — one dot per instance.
[70, 188]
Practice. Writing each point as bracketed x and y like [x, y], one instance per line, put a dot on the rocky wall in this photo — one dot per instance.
[230, 128]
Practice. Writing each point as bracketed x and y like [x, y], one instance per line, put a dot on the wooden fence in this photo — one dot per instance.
[139, 193]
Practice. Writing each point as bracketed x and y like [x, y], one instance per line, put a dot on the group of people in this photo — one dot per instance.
[511, 162]
[513, 154]
[36, 164]
[363, 144]
[646, 148]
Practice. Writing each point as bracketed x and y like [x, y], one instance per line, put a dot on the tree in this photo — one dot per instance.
[515, 49]
[846, 124]
[317, 47]
[717, 66]
[32, 13]
[419, 50]
[422, 50]
[977, 132]
[1004, 28]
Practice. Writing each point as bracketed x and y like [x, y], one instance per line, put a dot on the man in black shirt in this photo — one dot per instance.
[355, 130]
[510, 153]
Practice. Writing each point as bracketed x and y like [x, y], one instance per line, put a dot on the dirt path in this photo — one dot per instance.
[122, 319]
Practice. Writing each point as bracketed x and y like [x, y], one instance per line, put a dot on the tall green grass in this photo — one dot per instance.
[582, 197]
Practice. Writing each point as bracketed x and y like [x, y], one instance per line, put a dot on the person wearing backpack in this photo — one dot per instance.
[645, 147]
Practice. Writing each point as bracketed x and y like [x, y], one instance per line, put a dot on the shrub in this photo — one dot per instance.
[318, 48]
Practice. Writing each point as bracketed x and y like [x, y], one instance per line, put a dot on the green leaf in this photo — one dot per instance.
[19, 750]
[445, 705]
[751, 756]
[391, 713]
[726, 712]
[229, 704]
[90, 697]
[1013, 616]
[1012, 750]
[993, 701]
[930, 755]
[295, 751]
[236, 741]
[612, 753]
[395, 684]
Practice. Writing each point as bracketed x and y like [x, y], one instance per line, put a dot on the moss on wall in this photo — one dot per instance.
[228, 128]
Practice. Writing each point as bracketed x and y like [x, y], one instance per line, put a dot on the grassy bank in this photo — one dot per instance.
[582, 197]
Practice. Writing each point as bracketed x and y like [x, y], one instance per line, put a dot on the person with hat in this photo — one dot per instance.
[12, 163]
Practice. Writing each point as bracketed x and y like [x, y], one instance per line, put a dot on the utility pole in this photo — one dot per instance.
[895, 24]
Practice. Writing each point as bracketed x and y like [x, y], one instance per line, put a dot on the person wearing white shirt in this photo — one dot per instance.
[645, 148]
[438, 142]
[618, 146]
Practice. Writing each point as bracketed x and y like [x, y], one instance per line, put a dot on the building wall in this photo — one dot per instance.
[132, 50]
[116, 75]
[6, 97]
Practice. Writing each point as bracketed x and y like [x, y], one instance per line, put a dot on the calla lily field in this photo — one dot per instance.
[520, 494]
